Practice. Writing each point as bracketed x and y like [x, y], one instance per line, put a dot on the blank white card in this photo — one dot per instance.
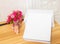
[38, 25]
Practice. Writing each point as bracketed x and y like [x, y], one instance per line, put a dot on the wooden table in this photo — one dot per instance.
[7, 36]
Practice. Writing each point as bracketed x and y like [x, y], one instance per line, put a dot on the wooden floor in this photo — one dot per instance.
[7, 36]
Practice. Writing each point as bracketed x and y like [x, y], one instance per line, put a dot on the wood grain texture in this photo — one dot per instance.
[7, 36]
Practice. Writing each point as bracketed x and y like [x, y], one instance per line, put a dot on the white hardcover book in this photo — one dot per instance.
[38, 25]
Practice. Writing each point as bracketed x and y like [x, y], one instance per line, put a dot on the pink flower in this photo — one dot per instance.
[15, 15]
[9, 19]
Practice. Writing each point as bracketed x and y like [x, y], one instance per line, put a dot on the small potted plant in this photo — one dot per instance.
[16, 18]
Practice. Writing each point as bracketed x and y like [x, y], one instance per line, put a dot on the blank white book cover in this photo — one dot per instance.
[38, 25]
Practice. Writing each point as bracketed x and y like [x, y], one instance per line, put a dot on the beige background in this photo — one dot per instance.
[7, 6]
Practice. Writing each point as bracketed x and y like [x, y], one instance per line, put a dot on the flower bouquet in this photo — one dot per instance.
[16, 18]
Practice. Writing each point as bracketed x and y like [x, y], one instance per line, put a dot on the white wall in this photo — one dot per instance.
[46, 4]
[7, 6]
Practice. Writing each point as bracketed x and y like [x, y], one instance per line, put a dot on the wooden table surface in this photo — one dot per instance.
[7, 36]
